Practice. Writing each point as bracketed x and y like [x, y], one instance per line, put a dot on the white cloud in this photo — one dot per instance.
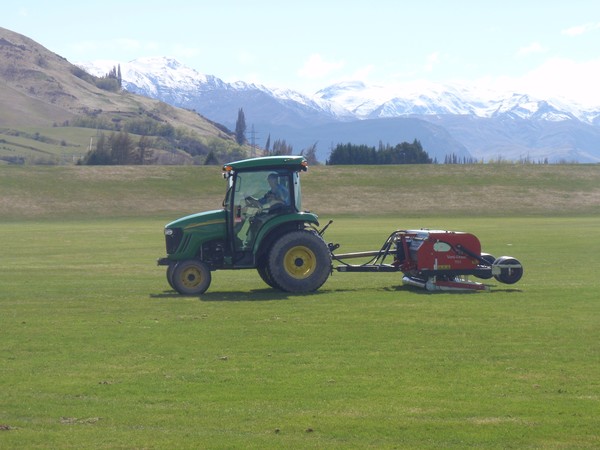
[181, 51]
[557, 78]
[569, 79]
[581, 29]
[246, 57]
[362, 74]
[534, 47]
[117, 45]
[126, 44]
[316, 67]
[432, 60]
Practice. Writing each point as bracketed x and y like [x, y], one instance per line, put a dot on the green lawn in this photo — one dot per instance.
[97, 352]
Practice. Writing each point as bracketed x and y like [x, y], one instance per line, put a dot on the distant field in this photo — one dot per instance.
[422, 190]
[56, 145]
[97, 351]
[64, 145]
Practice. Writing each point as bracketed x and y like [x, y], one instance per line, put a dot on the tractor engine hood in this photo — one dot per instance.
[198, 220]
[186, 235]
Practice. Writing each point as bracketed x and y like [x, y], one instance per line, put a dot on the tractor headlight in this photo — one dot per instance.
[173, 239]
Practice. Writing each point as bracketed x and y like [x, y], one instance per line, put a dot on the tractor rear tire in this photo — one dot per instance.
[510, 274]
[263, 270]
[299, 261]
[191, 277]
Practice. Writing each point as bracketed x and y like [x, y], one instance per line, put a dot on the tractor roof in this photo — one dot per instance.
[268, 162]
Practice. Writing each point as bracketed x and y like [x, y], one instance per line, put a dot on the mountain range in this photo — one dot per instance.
[446, 119]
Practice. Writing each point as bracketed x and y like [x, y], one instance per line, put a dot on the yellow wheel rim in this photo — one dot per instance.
[299, 262]
[191, 277]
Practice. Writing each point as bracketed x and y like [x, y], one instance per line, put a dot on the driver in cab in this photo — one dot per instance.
[273, 202]
[276, 195]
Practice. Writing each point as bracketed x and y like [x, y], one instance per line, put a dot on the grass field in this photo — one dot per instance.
[98, 352]
[76, 192]
[56, 145]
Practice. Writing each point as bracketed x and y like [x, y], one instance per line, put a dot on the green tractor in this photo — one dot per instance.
[261, 226]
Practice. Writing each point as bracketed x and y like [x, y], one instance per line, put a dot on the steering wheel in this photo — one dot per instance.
[254, 203]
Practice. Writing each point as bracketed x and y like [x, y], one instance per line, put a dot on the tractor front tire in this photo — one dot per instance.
[299, 261]
[170, 270]
[191, 277]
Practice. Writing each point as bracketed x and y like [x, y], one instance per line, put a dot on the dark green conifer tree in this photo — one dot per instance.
[240, 128]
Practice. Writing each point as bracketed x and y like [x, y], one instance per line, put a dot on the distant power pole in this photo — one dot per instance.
[253, 140]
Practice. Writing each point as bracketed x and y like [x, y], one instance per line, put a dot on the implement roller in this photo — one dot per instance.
[435, 260]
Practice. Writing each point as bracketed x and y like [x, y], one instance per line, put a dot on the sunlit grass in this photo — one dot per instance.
[98, 352]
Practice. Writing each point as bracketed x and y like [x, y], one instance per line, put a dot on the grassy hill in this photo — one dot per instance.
[36, 192]
[43, 95]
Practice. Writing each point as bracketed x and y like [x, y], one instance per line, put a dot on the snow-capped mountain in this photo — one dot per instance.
[158, 77]
[450, 119]
[394, 101]
[435, 99]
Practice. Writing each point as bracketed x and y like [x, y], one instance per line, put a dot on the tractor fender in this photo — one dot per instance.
[279, 225]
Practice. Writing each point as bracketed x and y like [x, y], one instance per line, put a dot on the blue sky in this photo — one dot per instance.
[548, 48]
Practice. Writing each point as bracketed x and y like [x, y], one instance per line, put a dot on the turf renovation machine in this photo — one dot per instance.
[435, 260]
[262, 226]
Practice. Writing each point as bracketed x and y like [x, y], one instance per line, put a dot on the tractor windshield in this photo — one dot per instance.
[254, 198]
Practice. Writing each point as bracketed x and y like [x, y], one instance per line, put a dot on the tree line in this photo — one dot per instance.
[112, 81]
[119, 148]
[403, 153]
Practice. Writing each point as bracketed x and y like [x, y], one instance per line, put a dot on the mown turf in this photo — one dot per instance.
[98, 352]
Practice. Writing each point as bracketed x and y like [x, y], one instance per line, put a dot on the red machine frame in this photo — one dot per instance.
[435, 260]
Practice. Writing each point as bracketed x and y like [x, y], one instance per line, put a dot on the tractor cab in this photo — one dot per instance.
[258, 196]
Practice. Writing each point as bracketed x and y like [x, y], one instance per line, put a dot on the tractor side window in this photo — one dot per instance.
[250, 187]
[259, 196]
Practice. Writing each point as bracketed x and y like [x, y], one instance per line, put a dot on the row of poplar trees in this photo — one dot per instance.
[404, 153]
[119, 148]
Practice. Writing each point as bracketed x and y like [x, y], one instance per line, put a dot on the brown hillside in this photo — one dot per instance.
[39, 88]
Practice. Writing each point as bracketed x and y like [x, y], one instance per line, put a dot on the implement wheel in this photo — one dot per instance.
[191, 277]
[490, 260]
[511, 270]
[299, 261]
